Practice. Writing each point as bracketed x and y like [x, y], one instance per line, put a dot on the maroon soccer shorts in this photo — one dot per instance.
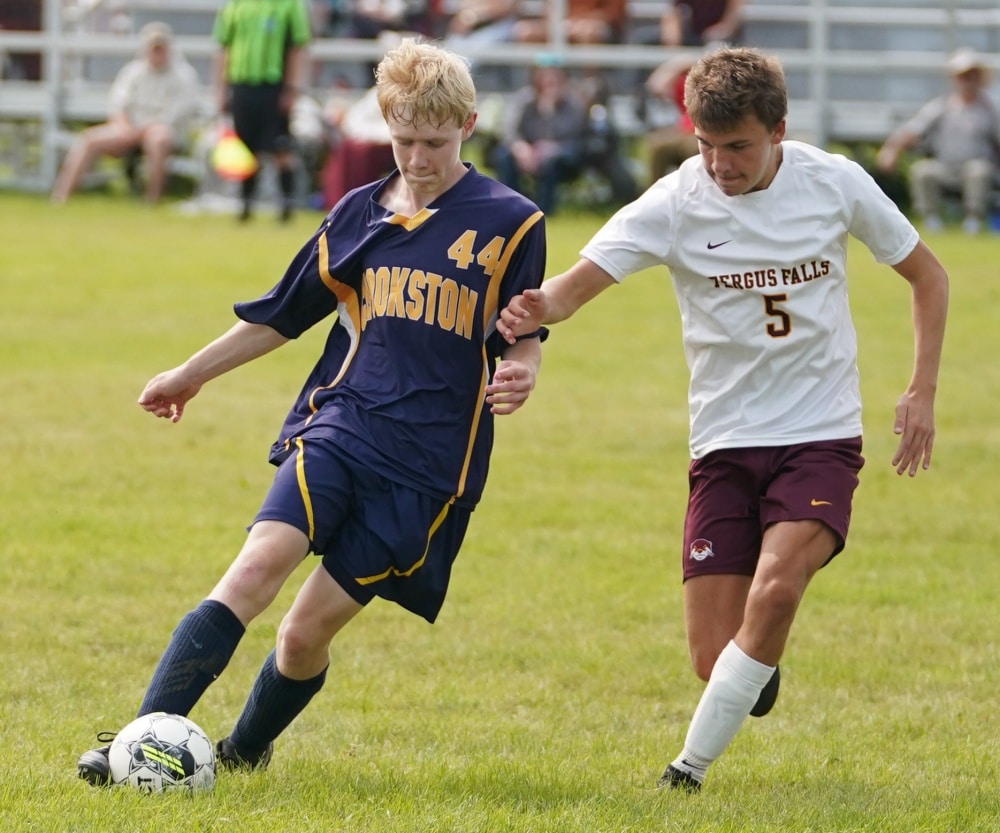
[736, 493]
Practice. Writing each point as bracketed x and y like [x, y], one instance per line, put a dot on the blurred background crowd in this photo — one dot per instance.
[552, 125]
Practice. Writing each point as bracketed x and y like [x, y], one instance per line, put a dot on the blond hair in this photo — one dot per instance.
[419, 82]
[726, 86]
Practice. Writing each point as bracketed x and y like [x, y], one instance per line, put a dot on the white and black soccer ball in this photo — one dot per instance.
[159, 752]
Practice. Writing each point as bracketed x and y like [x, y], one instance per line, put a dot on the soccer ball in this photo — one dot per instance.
[159, 752]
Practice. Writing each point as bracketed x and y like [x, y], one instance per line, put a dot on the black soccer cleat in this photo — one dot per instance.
[768, 695]
[94, 766]
[227, 756]
[677, 779]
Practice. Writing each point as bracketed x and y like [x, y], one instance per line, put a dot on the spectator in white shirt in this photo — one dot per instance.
[152, 101]
[960, 134]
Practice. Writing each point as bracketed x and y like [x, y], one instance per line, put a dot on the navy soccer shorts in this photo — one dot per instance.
[737, 493]
[376, 537]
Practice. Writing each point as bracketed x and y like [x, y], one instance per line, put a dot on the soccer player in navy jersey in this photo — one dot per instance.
[384, 454]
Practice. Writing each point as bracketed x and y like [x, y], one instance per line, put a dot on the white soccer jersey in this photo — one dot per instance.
[761, 284]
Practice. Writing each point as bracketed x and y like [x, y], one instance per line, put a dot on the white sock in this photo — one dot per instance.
[733, 688]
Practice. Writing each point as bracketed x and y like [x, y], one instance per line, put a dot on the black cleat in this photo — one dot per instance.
[677, 779]
[229, 757]
[93, 765]
[768, 694]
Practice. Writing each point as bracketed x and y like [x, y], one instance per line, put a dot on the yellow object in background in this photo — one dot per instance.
[232, 159]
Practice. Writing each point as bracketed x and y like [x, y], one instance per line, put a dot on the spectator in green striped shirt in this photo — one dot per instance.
[261, 68]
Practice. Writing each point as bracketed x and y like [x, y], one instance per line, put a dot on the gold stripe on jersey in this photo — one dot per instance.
[410, 223]
[489, 311]
[350, 305]
[345, 294]
[420, 561]
[300, 475]
[493, 291]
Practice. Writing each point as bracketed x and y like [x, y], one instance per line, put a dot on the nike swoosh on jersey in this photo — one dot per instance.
[815, 502]
[716, 245]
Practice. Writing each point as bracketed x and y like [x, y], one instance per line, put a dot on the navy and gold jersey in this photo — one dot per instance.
[400, 383]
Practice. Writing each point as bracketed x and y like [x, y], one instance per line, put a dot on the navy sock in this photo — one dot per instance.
[200, 648]
[274, 702]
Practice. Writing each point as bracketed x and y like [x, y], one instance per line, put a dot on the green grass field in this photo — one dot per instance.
[555, 686]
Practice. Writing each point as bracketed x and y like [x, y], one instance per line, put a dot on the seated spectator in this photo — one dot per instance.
[670, 144]
[702, 23]
[693, 23]
[960, 134]
[153, 100]
[586, 22]
[370, 18]
[481, 22]
[542, 140]
[360, 148]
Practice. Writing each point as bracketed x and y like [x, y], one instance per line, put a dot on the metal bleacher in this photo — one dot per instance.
[855, 69]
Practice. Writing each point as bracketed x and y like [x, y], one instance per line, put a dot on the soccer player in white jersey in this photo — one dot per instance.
[754, 232]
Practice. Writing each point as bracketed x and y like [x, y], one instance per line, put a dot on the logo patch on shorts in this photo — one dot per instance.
[701, 548]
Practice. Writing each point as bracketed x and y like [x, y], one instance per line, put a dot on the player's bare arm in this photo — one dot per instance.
[557, 300]
[167, 393]
[914, 420]
[515, 375]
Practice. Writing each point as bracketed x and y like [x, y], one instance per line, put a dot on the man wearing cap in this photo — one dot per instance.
[960, 133]
[152, 101]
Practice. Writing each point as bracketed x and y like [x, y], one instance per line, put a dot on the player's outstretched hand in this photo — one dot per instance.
[524, 314]
[512, 383]
[914, 423]
[166, 394]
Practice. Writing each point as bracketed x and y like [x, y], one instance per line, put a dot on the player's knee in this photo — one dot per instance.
[258, 578]
[703, 659]
[249, 587]
[300, 655]
[775, 600]
[702, 668]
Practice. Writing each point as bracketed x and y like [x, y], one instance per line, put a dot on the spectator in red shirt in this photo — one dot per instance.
[669, 145]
